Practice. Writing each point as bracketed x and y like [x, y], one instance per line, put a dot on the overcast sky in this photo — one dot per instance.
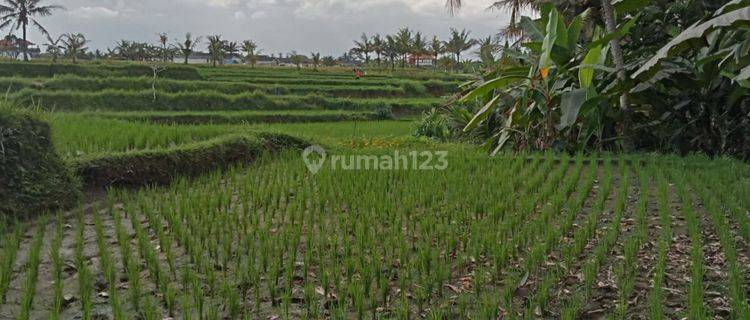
[326, 26]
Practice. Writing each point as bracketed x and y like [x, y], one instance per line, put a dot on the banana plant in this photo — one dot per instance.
[536, 98]
[693, 91]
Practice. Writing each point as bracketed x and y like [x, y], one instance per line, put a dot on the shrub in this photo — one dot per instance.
[33, 179]
[434, 125]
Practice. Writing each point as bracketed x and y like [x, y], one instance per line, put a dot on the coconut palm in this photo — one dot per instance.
[164, 42]
[315, 60]
[378, 46]
[216, 49]
[188, 46]
[249, 47]
[297, 59]
[487, 49]
[436, 48]
[54, 48]
[363, 46]
[232, 48]
[419, 44]
[19, 14]
[403, 44]
[458, 43]
[391, 50]
[74, 44]
[513, 29]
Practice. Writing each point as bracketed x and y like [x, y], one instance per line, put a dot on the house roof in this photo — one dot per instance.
[11, 43]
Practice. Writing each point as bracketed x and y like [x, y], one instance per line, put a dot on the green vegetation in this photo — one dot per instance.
[615, 75]
[33, 179]
[252, 242]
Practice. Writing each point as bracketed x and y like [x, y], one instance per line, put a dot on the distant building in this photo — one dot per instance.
[421, 60]
[12, 47]
[199, 57]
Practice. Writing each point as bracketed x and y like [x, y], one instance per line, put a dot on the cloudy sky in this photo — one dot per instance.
[326, 26]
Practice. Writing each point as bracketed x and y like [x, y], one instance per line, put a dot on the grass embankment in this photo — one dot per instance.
[241, 117]
[351, 89]
[161, 166]
[119, 100]
[46, 69]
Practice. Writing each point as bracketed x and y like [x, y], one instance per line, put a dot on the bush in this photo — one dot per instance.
[384, 112]
[434, 125]
[33, 179]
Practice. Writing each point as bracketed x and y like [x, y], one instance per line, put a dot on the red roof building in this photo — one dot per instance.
[421, 60]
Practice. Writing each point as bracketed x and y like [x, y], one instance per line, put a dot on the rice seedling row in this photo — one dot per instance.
[274, 241]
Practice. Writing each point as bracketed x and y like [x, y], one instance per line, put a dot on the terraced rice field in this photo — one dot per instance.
[515, 236]
[518, 236]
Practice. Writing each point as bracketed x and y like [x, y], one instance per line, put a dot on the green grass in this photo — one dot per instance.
[334, 89]
[75, 136]
[120, 100]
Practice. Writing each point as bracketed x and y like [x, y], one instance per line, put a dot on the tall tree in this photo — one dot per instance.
[74, 44]
[19, 14]
[391, 50]
[403, 44]
[216, 49]
[487, 49]
[232, 49]
[249, 47]
[458, 43]
[315, 60]
[513, 29]
[54, 48]
[188, 46]
[164, 42]
[377, 46]
[297, 59]
[436, 48]
[418, 44]
[363, 46]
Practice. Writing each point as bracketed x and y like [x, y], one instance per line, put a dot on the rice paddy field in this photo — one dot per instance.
[517, 236]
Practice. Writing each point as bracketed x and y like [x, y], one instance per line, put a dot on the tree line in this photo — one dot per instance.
[395, 48]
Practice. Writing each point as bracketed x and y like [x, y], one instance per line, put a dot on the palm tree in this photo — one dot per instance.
[403, 44]
[19, 13]
[436, 48]
[378, 46]
[216, 49]
[391, 50]
[163, 41]
[74, 44]
[54, 48]
[364, 46]
[249, 47]
[232, 48]
[297, 59]
[487, 48]
[315, 60]
[513, 29]
[418, 44]
[458, 43]
[188, 45]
